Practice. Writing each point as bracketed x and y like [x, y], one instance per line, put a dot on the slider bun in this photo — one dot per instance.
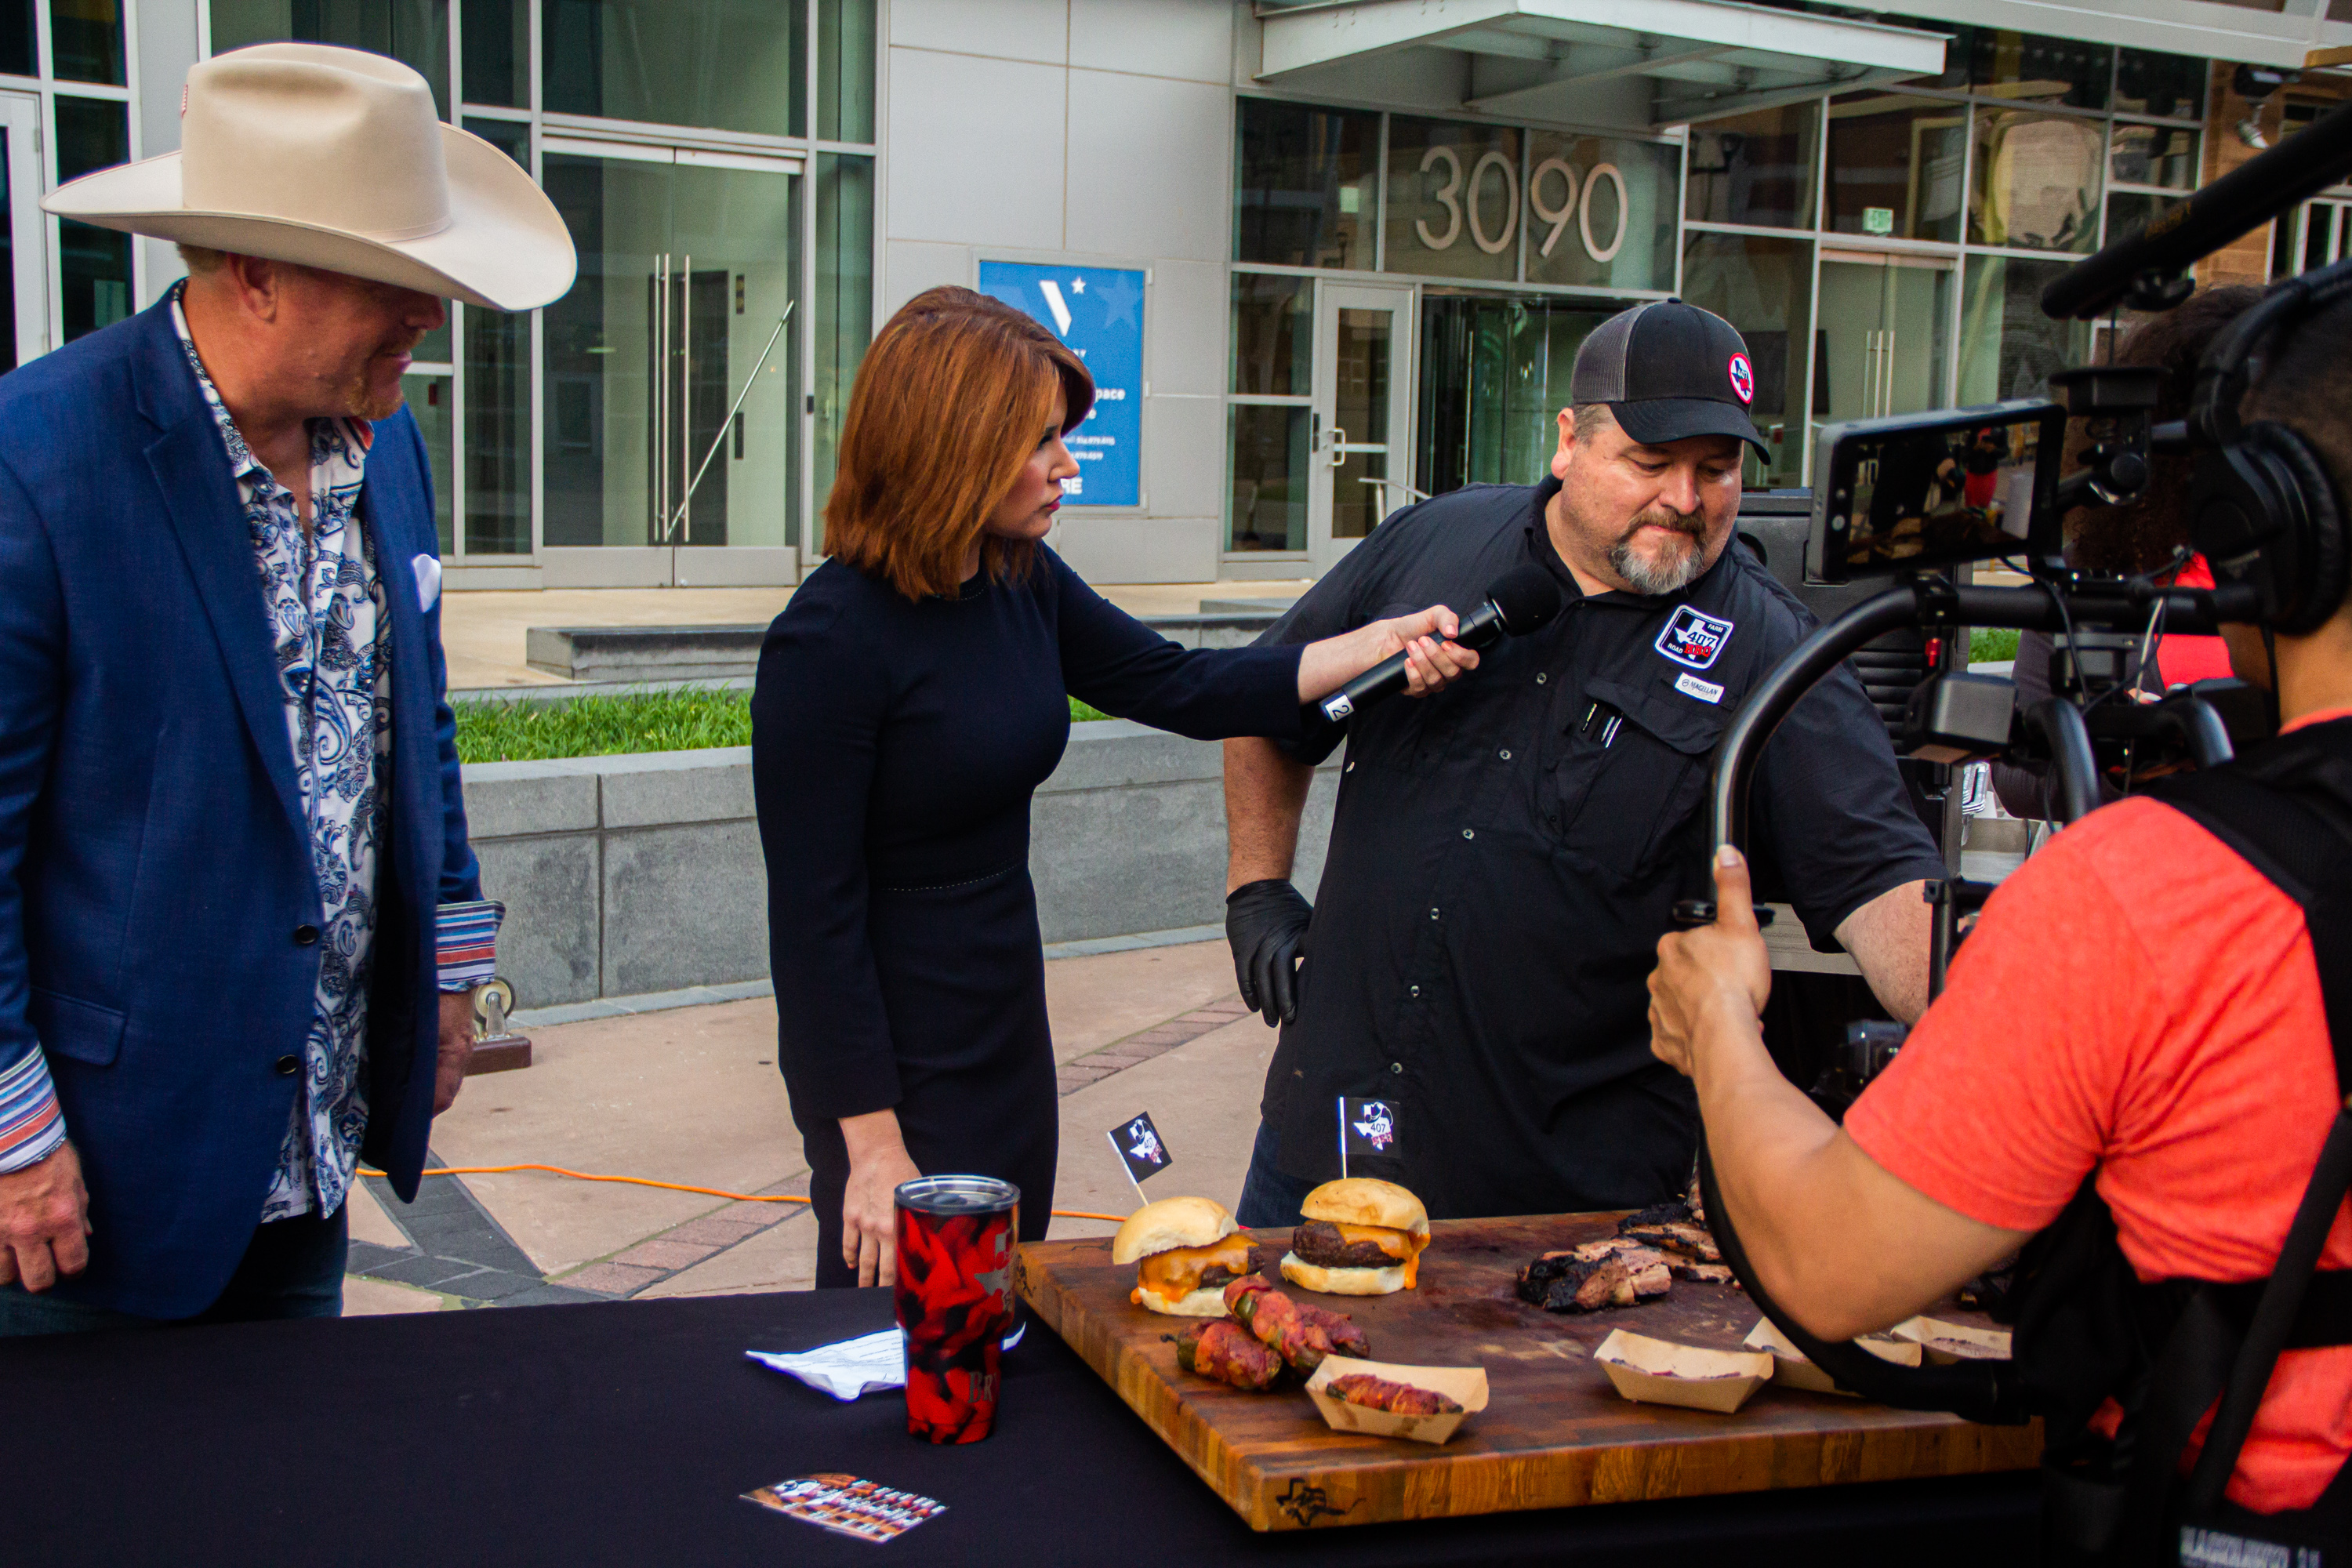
[1342, 1281]
[1208, 1301]
[1365, 1200]
[1170, 1223]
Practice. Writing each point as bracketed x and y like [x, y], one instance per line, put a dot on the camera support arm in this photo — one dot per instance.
[1980, 1391]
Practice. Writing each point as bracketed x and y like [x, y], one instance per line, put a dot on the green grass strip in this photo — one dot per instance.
[690, 719]
[1992, 645]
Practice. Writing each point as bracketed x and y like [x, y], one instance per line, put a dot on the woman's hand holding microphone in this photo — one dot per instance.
[1432, 661]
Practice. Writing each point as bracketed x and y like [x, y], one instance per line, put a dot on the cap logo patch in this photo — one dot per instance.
[1693, 638]
[1743, 379]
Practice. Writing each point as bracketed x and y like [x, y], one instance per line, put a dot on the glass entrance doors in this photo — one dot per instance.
[1494, 379]
[24, 269]
[1885, 335]
[1360, 424]
[687, 265]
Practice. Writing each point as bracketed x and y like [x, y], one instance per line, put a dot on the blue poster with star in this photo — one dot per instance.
[1099, 311]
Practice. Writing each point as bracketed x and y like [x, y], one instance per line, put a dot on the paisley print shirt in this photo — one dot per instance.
[328, 630]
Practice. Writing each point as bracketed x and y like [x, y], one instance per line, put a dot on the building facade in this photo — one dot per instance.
[1326, 257]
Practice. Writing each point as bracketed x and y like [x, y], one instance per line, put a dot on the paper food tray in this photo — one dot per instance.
[1946, 1341]
[1465, 1385]
[1659, 1371]
[1791, 1366]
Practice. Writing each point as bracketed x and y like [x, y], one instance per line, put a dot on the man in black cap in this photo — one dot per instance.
[1505, 856]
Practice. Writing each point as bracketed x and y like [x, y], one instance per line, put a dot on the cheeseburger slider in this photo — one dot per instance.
[1361, 1237]
[1186, 1250]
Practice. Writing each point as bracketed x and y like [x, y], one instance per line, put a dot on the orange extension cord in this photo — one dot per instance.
[670, 1187]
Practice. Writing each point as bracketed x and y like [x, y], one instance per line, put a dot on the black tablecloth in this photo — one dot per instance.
[628, 1433]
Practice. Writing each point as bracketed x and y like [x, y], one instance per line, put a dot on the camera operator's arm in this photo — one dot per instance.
[1843, 1244]
[1889, 938]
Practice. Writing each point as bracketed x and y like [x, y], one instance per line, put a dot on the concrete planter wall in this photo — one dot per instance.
[634, 874]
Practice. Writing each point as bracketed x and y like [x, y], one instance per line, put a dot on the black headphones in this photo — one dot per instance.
[2262, 508]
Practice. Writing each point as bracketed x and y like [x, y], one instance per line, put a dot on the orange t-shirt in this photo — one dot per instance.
[2139, 998]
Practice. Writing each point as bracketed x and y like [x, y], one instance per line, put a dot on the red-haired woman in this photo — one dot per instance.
[911, 698]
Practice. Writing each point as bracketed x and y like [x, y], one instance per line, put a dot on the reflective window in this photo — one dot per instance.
[1303, 182]
[2037, 180]
[1762, 286]
[2008, 347]
[1601, 211]
[1496, 378]
[2170, 87]
[2153, 155]
[414, 32]
[1274, 333]
[1453, 199]
[1268, 476]
[496, 36]
[498, 413]
[2032, 69]
[844, 317]
[95, 270]
[1896, 166]
[733, 65]
[433, 401]
[85, 41]
[1754, 169]
[2128, 210]
[17, 53]
[845, 70]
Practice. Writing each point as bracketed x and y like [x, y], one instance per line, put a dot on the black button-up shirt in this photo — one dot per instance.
[1505, 855]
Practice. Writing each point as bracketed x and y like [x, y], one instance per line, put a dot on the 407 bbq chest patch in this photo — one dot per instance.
[1693, 638]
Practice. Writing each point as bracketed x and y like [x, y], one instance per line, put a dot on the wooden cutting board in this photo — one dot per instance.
[1556, 1432]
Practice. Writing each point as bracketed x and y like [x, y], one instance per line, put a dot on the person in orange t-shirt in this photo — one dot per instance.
[2136, 1000]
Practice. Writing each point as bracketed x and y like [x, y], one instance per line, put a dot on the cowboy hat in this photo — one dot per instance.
[333, 158]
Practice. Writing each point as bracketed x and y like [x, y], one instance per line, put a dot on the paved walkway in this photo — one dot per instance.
[692, 1095]
[483, 631]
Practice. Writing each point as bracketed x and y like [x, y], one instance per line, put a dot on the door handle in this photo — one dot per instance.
[1339, 445]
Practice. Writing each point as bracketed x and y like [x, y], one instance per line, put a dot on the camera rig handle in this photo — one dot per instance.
[1977, 1391]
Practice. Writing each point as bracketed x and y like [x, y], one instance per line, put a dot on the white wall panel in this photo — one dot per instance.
[1008, 29]
[1192, 38]
[1183, 455]
[1150, 166]
[912, 266]
[1188, 327]
[1140, 550]
[975, 150]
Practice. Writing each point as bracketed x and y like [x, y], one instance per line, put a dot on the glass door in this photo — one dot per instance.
[24, 313]
[2322, 234]
[1360, 439]
[670, 390]
[1884, 342]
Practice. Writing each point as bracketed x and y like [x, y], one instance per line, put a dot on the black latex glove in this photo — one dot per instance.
[1265, 923]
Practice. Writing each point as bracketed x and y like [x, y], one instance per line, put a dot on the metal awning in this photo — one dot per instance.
[1558, 60]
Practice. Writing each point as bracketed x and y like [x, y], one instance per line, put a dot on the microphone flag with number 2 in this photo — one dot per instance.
[1140, 1147]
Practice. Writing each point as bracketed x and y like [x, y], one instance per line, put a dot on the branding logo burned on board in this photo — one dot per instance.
[1743, 379]
[1693, 638]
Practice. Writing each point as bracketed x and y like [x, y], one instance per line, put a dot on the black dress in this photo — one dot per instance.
[895, 746]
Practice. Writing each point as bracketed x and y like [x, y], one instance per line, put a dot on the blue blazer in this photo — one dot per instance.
[153, 867]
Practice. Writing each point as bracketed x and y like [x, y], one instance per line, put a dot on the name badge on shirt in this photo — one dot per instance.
[1704, 691]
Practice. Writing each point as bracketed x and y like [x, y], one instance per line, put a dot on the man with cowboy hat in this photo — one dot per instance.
[239, 920]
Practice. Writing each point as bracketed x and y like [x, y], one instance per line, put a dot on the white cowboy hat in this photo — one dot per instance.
[332, 158]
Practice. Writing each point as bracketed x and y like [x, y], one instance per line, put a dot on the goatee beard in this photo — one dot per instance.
[1655, 578]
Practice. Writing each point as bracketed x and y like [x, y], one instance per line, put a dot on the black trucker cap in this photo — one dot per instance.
[1668, 371]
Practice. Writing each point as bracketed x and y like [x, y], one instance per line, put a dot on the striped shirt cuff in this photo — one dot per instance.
[468, 936]
[32, 1123]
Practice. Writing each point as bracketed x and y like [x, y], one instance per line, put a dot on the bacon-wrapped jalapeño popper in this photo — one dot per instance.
[1224, 1351]
[1277, 1320]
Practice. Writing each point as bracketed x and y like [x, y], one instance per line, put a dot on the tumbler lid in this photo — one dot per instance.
[958, 1194]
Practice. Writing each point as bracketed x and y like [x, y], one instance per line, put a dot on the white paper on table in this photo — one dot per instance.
[853, 1367]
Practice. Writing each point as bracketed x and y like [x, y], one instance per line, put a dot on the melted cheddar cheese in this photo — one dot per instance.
[1175, 1274]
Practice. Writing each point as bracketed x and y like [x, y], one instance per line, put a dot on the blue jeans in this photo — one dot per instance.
[1270, 1196]
[291, 1269]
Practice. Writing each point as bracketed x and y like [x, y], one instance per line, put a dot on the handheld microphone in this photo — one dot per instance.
[1522, 599]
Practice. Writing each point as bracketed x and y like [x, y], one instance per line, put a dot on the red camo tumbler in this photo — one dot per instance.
[954, 1299]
